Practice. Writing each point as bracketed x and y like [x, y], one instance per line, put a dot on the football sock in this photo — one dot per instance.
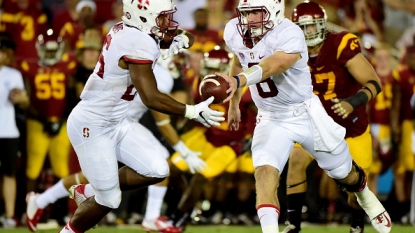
[358, 218]
[154, 201]
[268, 217]
[179, 218]
[294, 208]
[51, 195]
[369, 202]
[89, 191]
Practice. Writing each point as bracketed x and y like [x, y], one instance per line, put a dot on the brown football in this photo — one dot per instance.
[213, 85]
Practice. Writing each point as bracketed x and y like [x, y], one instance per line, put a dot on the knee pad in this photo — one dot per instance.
[109, 198]
[341, 171]
[159, 168]
[360, 184]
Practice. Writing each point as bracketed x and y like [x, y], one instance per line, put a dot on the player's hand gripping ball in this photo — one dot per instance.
[216, 86]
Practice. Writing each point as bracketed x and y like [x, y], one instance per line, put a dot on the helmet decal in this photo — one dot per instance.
[143, 4]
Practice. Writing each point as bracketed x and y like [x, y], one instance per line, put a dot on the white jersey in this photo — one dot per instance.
[10, 79]
[164, 84]
[109, 90]
[280, 92]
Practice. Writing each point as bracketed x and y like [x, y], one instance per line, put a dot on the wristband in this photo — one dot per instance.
[367, 88]
[181, 148]
[253, 75]
[190, 111]
[359, 99]
[237, 80]
[377, 86]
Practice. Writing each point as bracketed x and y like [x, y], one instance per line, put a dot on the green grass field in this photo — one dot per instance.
[222, 229]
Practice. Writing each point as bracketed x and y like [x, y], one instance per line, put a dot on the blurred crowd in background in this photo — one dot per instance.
[385, 29]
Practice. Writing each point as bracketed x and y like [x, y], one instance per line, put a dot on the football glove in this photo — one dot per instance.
[178, 42]
[203, 114]
[192, 159]
[52, 128]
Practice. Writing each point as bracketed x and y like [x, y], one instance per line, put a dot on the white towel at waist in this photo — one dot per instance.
[327, 133]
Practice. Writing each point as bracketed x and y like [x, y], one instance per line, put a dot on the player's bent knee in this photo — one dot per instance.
[159, 168]
[341, 171]
[109, 198]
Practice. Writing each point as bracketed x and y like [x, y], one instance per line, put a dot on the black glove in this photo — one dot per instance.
[52, 128]
[247, 146]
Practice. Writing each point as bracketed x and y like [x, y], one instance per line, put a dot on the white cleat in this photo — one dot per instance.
[33, 213]
[382, 223]
[77, 193]
[374, 209]
[155, 225]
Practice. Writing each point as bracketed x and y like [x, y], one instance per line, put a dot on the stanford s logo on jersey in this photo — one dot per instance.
[143, 4]
[85, 132]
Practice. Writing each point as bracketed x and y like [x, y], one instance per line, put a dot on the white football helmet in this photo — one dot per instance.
[273, 14]
[151, 16]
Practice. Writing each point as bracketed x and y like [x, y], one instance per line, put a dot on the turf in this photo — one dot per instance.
[222, 229]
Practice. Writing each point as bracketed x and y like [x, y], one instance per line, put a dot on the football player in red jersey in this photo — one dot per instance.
[338, 70]
[24, 21]
[48, 82]
[218, 145]
[379, 111]
[402, 125]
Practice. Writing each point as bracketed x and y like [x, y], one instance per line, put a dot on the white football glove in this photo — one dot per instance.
[179, 42]
[202, 113]
[192, 158]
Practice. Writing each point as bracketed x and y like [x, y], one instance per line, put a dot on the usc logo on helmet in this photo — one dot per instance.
[143, 4]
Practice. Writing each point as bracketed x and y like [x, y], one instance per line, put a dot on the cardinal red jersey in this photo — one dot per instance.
[48, 86]
[24, 27]
[379, 107]
[221, 135]
[331, 79]
[405, 78]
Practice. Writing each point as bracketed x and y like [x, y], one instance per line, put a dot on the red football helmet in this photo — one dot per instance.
[49, 47]
[216, 60]
[308, 15]
[179, 64]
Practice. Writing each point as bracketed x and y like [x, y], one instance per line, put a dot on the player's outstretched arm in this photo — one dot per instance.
[144, 81]
[275, 64]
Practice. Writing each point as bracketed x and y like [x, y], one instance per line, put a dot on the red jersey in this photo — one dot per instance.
[60, 19]
[221, 135]
[24, 28]
[49, 86]
[379, 108]
[331, 79]
[405, 78]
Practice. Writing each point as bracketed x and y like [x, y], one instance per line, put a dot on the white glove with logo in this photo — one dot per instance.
[192, 158]
[202, 113]
[179, 42]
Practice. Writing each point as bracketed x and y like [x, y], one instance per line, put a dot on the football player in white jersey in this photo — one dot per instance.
[271, 58]
[36, 203]
[100, 130]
